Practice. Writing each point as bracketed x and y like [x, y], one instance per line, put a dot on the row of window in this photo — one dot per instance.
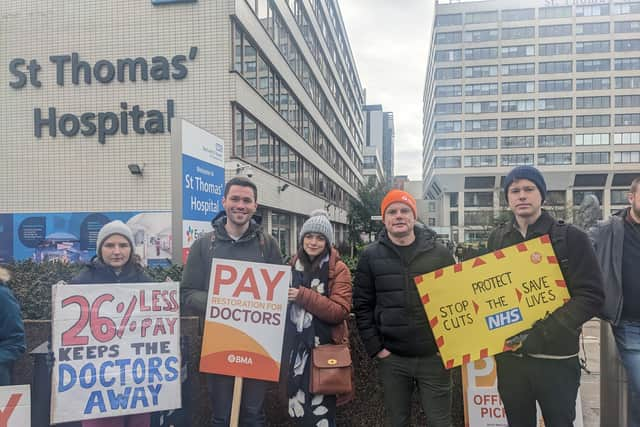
[553, 122]
[549, 67]
[528, 141]
[544, 159]
[549, 12]
[544, 104]
[273, 23]
[256, 144]
[516, 33]
[259, 74]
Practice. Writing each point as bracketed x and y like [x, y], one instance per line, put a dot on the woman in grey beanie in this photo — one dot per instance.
[320, 299]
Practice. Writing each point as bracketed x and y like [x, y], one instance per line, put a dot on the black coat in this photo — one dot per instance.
[97, 272]
[387, 305]
[557, 335]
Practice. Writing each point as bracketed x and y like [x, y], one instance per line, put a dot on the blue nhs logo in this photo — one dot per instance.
[172, 1]
[503, 318]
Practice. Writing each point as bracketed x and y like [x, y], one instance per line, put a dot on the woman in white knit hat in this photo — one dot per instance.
[115, 262]
[320, 299]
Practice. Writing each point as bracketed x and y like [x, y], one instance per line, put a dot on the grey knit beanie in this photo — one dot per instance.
[111, 228]
[318, 223]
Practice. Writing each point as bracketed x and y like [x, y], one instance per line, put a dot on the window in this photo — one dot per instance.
[554, 159]
[587, 102]
[565, 85]
[451, 90]
[592, 139]
[619, 197]
[556, 198]
[554, 30]
[448, 126]
[599, 46]
[593, 158]
[481, 107]
[626, 157]
[554, 12]
[481, 17]
[480, 161]
[521, 141]
[518, 69]
[579, 195]
[518, 87]
[588, 65]
[558, 122]
[448, 108]
[480, 143]
[627, 45]
[448, 73]
[517, 105]
[481, 71]
[550, 49]
[518, 33]
[518, 14]
[599, 83]
[622, 64]
[518, 51]
[453, 218]
[449, 38]
[481, 53]
[478, 199]
[516, 159]
[626, 26]
[555, 67]
[554, 140]
[446, 162]
[481, 35]
[548, 104]
[477, 218]
[481, 89]
[593, 10]
[453, 200]
[626, 8]
[628, 119]
[626, 138]
[632, 82]
[589, 28]
[598, 120]
[448, 55]
[446, 20]
[519, 123]
[447, 144]
[625, 101]
[480, 125]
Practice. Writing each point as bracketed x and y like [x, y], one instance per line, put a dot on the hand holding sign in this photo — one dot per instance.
[474, 306]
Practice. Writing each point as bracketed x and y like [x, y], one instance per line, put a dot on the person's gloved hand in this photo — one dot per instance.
[534, 342]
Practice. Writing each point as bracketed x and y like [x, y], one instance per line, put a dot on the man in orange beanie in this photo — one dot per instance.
[391, 319]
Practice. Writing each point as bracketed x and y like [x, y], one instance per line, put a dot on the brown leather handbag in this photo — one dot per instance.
[331, 369]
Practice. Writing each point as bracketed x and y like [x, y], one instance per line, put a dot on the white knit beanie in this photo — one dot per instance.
[111, 228]
[318, 223]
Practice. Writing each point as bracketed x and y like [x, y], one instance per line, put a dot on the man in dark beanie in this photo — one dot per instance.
[544, 365]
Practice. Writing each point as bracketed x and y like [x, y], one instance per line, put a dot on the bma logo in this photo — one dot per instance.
[172, 1]
[503, 318]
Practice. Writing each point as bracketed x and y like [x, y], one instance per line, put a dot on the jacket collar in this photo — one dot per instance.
[541, 227]
[425, 238]
[220, 220]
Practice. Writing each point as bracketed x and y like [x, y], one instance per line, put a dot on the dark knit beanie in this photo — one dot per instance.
[525, 172]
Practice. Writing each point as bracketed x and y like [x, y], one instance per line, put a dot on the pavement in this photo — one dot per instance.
[590, 382]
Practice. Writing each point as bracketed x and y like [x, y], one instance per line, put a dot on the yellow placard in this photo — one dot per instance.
[474, 306]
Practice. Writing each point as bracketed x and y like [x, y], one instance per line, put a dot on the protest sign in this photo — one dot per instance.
[15, 406]
[474, 306]
[245, 318]
[482, 404]
[116, 349]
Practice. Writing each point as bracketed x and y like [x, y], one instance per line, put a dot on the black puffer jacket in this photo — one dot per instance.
[386, 301]
[557, 334]
[255, 245]
[98, 273]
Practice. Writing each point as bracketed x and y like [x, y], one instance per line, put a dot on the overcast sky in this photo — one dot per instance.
[390, 41]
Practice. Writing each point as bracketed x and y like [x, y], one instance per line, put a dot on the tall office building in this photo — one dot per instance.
[380, 133]
[549, 83]
[274, 79]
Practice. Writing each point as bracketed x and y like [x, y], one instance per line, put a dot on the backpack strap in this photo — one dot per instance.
[558, 235]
